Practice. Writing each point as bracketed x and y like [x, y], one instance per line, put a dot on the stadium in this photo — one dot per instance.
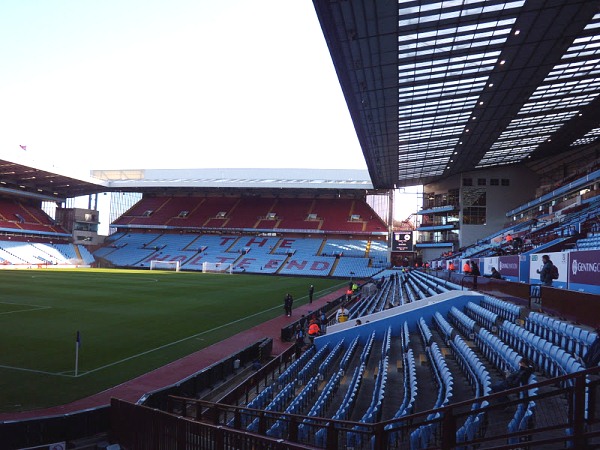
[170, 331]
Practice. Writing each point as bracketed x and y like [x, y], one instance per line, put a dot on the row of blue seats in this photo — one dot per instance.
[475, 371]
[373, 413]
[277, 404]
[325, 366]
[312, 365]
[506, 310]
[496, 351]
[348, 354]
[472, 427]
[434, 285]
[404, 336]
[290, 373]
[570, 337]
[346, 406]
[410, 396]
[442, 375]
[364, 356]
[426, 334]
[443, 326]
[522, 420]
[482, 315]
[387, 343]
[546, 356]
[323, 402]
[464, 323]
[297, 406]
[263, 398]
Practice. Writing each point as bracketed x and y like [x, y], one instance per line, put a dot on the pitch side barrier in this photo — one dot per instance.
[80, 425]
[210, 376]
[206, 424]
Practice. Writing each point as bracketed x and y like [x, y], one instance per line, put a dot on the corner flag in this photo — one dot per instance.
[77, 345]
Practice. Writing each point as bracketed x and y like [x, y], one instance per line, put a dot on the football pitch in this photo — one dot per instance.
[130, 322]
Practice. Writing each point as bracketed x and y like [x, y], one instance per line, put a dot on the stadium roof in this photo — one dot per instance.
[49, 184]
[436, 88]
[26, 180]
[156, 180]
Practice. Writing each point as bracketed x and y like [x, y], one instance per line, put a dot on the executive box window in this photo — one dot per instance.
[505, 182]
[481, 182]
[467, 182]
[494, 182]
[475, 203]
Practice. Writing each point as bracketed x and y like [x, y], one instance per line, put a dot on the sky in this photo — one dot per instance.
[169, 84]
[146, 84]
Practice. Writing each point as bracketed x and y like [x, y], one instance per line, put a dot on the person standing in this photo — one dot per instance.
[287, 304]
[311, 291]
[546, 271]
[475, 272]
[466, 268]
[313, 331]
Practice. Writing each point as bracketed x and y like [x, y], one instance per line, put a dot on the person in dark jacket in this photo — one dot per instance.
[514, 379]
[495, 274]
[475, 272]
[546, 271]
[287, 304]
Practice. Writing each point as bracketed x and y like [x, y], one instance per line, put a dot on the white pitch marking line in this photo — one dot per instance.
[179, 341]
[22, 369]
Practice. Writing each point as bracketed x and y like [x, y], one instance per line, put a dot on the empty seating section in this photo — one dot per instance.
[506, 310]
[308, 265]
[484, 316]
[295, 215]
[131, 248]
[591, 242]
[546, 356]
[464, 323]
[254, 213]
[571, 338]
[38, 254]
[345, 247]
[348, 267]
[17, 218]
[332, 381]
[299, 246]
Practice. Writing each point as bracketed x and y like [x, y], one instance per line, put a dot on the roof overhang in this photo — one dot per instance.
[439, 88]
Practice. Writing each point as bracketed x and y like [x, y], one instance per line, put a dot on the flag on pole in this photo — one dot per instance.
[23, 147]
[77, 345]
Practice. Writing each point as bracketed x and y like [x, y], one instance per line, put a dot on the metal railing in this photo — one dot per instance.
[563, 412]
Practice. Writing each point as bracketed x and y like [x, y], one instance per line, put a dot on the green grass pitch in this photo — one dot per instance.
[130, 323]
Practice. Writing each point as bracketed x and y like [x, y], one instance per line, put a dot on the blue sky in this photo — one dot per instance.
[167, 84]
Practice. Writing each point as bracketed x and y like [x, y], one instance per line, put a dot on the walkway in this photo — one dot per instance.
[134, 389]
